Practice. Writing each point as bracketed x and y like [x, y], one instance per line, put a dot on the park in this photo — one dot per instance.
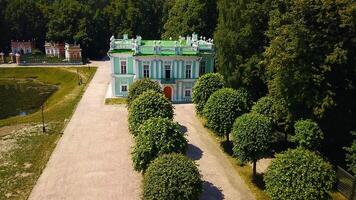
[177, 99]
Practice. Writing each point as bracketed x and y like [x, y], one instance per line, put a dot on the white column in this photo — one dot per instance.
[179, 91]
[154, 69]
[160, 69]
[113, 82]
[136, 69]
[180, 68]
[175, 69]
[197, 69]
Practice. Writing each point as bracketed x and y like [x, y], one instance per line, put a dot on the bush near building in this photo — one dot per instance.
[308, 134]
[252, 138]
[299, 174]
[141, 86]
[149, 104]
[222, 109]
[157, 136]
[205, 86]
[172, 176]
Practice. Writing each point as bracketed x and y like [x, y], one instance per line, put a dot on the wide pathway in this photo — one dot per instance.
[221, 180]
[92, 159]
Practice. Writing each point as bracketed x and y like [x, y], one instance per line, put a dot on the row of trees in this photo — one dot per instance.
[160, 146]
[295, 174]
[301, 53]
[92, 22]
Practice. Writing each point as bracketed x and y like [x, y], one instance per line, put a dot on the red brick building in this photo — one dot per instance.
[22, 47]
[53, 49]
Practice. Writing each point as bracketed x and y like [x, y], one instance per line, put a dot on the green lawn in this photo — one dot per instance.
[25, 151]
[115, 101]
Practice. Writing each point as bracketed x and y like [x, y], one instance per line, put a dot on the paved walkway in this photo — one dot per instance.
[92, 159]
[221, 180]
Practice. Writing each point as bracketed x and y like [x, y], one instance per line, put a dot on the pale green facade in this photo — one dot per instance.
[175, 65]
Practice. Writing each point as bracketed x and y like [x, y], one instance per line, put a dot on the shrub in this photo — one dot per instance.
[172, 176]
[157, 136]
[299, 174]
[141, 86]
[205, 86]
[223, 107]
[147, 105]
[252, 138]
[264, 106]
[308, 134]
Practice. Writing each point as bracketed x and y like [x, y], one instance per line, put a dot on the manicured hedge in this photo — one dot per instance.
[299, 174]
[252, 138]
[205, 86]
[222, 109]
[308, 134]
[141, 86]
[147, 105]
[172, 176]
[157, 136]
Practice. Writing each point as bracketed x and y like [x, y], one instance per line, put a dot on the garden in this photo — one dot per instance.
[250, 131]
[160, 146]
[24, 147]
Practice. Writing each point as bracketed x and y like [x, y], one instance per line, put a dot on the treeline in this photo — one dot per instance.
[92, 22]
[299, 52]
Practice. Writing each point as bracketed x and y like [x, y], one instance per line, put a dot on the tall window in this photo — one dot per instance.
[202, 68]
[146, 71]
[188, 71]
[167, 69]
[123, 67]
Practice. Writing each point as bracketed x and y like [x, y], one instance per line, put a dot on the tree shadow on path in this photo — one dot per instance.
[194, 152]
[211, 192]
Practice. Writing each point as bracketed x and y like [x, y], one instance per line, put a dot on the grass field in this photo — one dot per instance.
[24, 149]
[115, 101]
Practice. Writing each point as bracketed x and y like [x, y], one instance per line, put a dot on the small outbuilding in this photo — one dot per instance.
[73, 52]
[54, 49]
[22, 47]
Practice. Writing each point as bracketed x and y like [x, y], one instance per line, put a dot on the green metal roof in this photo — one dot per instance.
[191, 46]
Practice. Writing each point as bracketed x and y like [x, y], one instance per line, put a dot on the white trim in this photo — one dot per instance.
[123, 75]
[127, 88]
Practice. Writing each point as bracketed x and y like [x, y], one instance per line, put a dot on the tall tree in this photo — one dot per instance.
[70, 21]
[25, 20]
[240, 40]
[187, 17]
[4, 39]
[311, 63]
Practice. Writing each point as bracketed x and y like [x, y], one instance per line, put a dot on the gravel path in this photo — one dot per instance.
[92, 159]
[221, 180]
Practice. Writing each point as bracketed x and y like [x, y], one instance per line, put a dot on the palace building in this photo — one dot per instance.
[174, 64]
